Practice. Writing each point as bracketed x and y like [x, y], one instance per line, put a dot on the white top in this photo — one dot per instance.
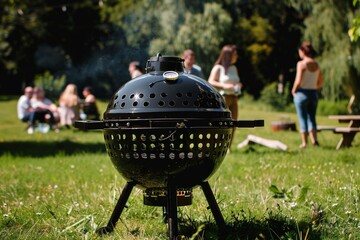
[231, 77]
[40, 104]
[309, 80]
[22, 106]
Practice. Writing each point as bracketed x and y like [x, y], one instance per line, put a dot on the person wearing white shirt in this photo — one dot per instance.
[44, 109]
[224, 76]
[25, 111]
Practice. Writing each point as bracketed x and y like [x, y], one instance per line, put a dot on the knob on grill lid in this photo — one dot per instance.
[171, 76]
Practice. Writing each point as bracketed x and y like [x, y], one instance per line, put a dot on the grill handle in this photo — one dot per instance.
[249, 123]
[86, 125]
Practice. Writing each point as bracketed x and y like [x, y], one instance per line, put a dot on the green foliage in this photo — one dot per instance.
[258, 33]
[177, 28]
[51, 85]
[115, 11]
[270, 96]
[326, 28]
[169, 19]
[326, 107]
[18, 31]
[63, 38]
[267, 36]
[204, 33]
[294, 194]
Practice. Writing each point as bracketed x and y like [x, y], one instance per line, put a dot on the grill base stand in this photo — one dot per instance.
[120, 205]
[170, 209]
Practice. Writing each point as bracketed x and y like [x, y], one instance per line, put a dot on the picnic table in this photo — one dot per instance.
[348, 132]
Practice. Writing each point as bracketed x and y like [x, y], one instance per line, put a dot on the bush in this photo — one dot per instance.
[51, 85]
[277, 101]
[332, 108]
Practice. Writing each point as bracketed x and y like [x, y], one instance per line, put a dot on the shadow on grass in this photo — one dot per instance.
[46, 148]
[275, 226]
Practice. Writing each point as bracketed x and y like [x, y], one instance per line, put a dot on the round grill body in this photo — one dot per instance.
[176, 140]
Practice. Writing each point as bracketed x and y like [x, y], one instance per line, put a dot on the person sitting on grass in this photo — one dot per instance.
[44, 108]
[90, 107]
[24, 110]
[69, 106]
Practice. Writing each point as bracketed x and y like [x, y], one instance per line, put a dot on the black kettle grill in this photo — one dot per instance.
[166, 132]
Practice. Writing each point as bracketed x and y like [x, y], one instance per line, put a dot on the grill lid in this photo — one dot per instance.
[166, 92]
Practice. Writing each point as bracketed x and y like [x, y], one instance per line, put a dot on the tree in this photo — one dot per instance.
[267, 33]
[20, 29]
[257, 40]
[63, 37]
[171, 26]
[205, 33]
[326, 28]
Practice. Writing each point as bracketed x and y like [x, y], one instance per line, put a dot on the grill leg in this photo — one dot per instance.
[213, 205]
[120, 205]
[171, 208]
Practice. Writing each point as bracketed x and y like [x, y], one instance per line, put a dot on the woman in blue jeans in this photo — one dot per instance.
[307, 82]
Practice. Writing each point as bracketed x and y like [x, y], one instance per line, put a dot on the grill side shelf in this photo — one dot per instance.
[88, 125]
[249, 123]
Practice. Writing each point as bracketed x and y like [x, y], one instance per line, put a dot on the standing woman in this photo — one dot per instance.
[307, 81]
[224, 76]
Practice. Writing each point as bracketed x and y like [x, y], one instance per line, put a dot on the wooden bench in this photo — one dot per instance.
[348, 135]
[325, 128]
[346, 130]
[349, 132]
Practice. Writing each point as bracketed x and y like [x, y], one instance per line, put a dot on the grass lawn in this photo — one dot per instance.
[63, 186]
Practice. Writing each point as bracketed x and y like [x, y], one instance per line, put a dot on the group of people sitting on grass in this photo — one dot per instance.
[41, 114]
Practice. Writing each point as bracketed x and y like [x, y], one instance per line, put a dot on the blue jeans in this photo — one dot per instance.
[306, 104]
[32, 117]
